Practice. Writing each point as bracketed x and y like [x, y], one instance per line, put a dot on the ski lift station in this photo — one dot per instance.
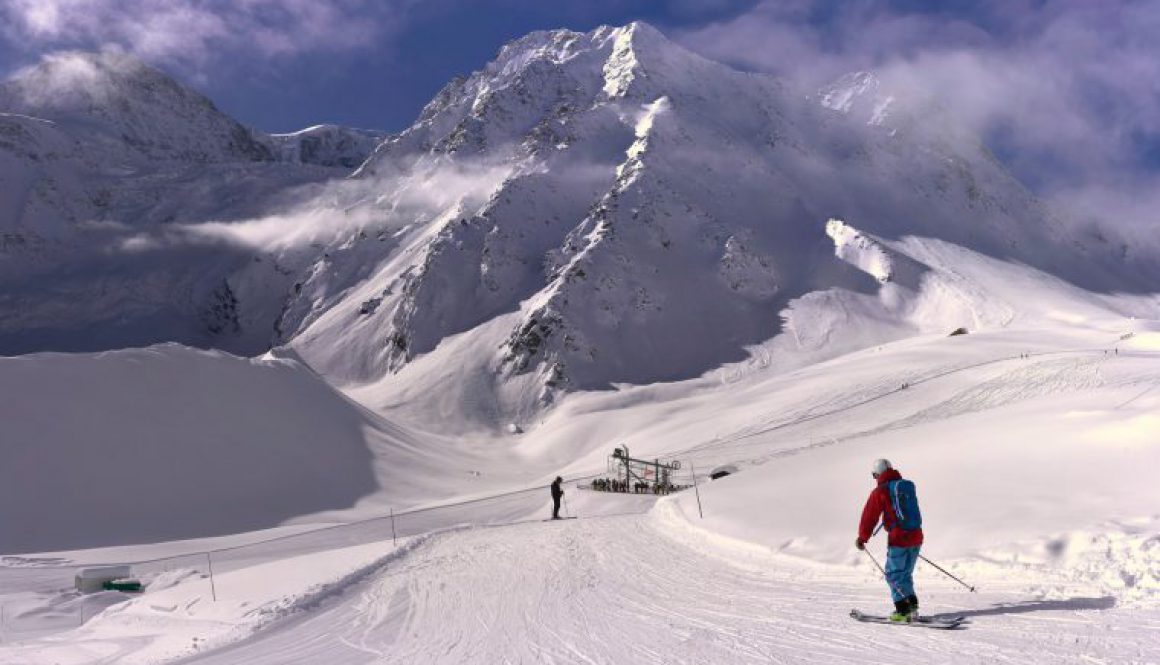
[639, 476]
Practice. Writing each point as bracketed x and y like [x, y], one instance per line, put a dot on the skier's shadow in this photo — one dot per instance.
[1078, 603]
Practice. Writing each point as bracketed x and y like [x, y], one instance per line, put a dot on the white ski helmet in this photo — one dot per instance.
[880, 466]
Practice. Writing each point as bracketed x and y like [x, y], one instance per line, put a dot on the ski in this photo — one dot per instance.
[941, 623]
[557, 519]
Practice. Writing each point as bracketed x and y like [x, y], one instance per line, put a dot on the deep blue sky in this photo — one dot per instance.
[1066, 91]
[385, 86]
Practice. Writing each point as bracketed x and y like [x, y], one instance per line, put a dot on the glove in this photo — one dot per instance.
[859, 543]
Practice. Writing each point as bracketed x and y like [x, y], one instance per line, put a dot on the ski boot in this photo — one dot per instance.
[901, 611]
[913, 601]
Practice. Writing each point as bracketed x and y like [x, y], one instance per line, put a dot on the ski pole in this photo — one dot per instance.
[566, 508]
[939, 568]
[696, 489]
[883, 571]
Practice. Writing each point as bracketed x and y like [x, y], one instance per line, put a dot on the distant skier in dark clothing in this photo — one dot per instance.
[895, 502]
[557, 494]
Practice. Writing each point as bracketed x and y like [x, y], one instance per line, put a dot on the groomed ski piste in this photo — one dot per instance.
[1034, 453]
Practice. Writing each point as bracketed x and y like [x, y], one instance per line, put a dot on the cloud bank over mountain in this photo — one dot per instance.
[1059, 89]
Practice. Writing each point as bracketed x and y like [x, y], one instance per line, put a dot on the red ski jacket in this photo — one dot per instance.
[878, 506]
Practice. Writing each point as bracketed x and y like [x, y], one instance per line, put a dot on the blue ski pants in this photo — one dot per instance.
[900, 563]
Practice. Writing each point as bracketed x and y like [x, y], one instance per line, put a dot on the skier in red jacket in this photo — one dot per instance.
[887, 500]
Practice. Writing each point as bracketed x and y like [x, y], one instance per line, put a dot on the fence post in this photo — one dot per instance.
[394, 537]
[696, 489]
[212, 586]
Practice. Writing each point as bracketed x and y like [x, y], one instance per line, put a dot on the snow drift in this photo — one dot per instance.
[168, 442]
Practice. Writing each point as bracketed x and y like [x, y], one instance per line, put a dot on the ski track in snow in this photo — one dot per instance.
[645, 589]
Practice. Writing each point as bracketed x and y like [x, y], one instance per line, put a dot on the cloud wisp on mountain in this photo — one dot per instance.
[1060, 90]
[375, 204]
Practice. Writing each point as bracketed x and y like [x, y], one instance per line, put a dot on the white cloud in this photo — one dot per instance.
[193, 34]
[1065, 90]
[373, 205]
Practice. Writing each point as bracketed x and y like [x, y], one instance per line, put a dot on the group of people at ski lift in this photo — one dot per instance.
[638, 487]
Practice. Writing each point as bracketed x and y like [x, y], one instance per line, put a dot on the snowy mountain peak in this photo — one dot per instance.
[118, 98]
[621, 69]
[537, 84]
[643, 63]
[631, 46]
[643, 38]
[88, 82]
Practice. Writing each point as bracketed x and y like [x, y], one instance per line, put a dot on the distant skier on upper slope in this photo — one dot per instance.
[895, 501]
[557, 494]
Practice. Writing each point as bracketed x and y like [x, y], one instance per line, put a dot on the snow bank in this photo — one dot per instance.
[178, 616]
[169, 442]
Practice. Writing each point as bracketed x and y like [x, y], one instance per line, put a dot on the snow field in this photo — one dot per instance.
[1027, 468]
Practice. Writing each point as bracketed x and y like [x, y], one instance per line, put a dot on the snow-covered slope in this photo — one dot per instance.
[1026, 446]
[168, 442]
[128, 107]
